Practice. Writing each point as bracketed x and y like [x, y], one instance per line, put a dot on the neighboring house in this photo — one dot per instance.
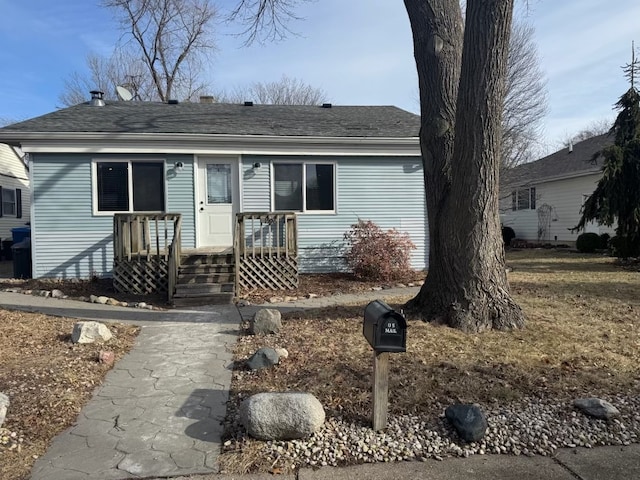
[14, 191]
[542, 200]
[331, 164]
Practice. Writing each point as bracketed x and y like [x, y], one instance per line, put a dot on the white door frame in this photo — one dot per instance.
[199, 194]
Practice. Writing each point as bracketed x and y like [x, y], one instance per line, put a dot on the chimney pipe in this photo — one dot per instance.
[207, 99]
[570, 146]
[97, 99]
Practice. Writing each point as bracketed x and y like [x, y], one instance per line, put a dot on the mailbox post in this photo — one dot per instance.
[386, 331]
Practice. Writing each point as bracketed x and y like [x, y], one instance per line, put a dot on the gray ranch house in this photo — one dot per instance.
[99, 166]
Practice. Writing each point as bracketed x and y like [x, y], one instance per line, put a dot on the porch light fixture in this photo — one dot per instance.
[257, 165]
[178, 166]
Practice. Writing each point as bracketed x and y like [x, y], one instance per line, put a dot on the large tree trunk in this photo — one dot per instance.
[461, 94]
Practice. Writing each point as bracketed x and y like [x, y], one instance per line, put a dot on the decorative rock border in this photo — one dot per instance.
[102, 300]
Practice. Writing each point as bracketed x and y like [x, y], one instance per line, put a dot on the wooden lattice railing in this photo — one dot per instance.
[146, 252]
[266, 251]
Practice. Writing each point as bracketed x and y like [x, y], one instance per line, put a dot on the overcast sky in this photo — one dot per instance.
[358, 51]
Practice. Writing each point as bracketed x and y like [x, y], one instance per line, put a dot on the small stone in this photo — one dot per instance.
[142, 305]
[282, 352]
[468, 420]
[376, 289]
[41, 293]
[312, 295]
[102, 300]
[106, 357]
[264, 358]
[401, 285]
[57, 294]
[124, 304]
[112, 301]
[275, 300]
[597, 408]
[411, 284]
[4, 406]
[243, 303]
[90, 332]
[290, 299]
[93, 299]
[83, 299]
[266, 321]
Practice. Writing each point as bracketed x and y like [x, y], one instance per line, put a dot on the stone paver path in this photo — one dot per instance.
[160, 409]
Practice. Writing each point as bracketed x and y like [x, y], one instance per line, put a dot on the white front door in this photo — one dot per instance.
[217, 201]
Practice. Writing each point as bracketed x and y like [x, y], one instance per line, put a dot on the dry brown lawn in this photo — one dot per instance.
[48, 379]
[582, 338]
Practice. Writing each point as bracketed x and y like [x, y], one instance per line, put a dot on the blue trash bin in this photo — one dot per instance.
[20, 234]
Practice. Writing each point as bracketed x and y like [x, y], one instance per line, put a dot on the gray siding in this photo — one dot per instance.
[387, 190]
[68, 240]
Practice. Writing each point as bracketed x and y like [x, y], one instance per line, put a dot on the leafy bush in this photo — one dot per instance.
[374, 254]
[588, 242]
[507, 235]
[624, 247]
[604, 241]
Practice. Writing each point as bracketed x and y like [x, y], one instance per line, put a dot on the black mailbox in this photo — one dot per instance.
[384, 328]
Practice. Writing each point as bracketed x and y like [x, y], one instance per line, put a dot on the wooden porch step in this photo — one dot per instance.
[206, 278]
[193, 300]
[198, 259]
[186, 289]
[204, 269]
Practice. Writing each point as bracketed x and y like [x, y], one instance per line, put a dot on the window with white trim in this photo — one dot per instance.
[127, 186]
[523, 199]
[9, 202]
[304, 187]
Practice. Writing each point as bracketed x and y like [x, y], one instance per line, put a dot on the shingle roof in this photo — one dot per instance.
[560, 164]
[229, 119]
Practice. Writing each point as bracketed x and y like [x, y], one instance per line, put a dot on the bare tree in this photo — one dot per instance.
[525, 102]
[593, 129]
[285, 91]
[462, 80]
[264, 20]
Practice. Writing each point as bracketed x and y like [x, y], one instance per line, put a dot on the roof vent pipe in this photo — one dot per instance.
[570, 146]
[326, 105]
[248, 104]
[97, 99]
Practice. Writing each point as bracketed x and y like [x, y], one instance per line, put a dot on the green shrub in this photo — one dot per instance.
[374, 254]
[624, 247]
[588, 242]
[507, 235]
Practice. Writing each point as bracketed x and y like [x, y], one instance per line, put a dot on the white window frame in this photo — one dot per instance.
[304, 164]
[129, 161]
[15, 203]
[531, 194]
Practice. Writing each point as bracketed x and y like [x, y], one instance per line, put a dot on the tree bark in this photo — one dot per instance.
[461, 93]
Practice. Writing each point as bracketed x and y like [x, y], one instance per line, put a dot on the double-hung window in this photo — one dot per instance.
[304, 187]
[523, 199]
[128, 186]
[8, 202]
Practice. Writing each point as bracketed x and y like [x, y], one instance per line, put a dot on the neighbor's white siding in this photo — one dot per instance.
[13, 175]
[565, 197]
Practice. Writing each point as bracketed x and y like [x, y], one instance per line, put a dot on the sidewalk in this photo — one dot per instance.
[158, 413]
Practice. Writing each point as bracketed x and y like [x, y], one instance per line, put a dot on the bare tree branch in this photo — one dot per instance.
[265, 20]
[285, 91]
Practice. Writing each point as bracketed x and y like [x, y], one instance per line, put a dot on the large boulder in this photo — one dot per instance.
[468, 420]
[281, 416]
[4, 406]
[90, 332]
[266, 321]
[264, 358]
[597, 408]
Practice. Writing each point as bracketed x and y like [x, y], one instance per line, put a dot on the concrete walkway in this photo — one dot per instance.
[159, 410]
[158, 413]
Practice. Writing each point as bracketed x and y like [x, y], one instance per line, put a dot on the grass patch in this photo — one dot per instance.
[581, 338]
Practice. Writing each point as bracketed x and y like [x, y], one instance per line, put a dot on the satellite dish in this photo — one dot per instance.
[123, 93]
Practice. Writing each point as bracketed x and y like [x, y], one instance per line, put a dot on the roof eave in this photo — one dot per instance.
[53, 142]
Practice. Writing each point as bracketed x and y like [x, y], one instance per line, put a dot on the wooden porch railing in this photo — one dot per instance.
[266, 250]
[146, 252]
